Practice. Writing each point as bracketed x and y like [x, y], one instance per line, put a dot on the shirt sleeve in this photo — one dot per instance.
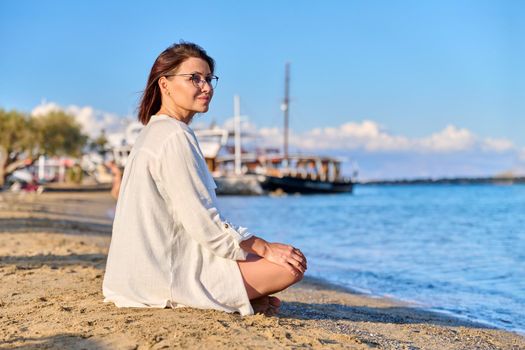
[183, 177]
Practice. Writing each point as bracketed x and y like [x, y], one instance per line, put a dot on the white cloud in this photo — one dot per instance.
[91, 120]
[369, 136]
[450, 139]
[246, 125]
[269, 137]
[44, 108]
[366, 135]
[496, 145]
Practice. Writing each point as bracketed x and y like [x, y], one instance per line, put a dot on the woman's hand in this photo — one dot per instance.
[281, 254]
[287, 256]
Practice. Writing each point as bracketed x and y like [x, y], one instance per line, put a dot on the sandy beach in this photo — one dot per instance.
[52, 255]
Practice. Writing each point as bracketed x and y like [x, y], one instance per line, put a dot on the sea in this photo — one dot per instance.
[456, 249]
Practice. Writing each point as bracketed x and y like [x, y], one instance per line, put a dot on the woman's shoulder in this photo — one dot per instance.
[161, 128]
[163, 131]
[166, 125]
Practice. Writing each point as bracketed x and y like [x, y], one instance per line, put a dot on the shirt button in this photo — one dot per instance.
[226, 225]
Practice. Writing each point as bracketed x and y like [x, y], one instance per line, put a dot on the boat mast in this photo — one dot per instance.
[285, 108]
[237, 126]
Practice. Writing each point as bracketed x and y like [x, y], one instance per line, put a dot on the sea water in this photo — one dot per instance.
[453, 248]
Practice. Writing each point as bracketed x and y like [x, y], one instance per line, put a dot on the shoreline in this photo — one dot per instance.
[327, 284]
[52, 255]
[410, 303]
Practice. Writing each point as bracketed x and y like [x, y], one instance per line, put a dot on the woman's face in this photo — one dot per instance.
[187, 98]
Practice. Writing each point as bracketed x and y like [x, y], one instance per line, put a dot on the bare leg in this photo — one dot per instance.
[117, 179]
[262, 278]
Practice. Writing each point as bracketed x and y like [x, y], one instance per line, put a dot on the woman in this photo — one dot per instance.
[169, 246]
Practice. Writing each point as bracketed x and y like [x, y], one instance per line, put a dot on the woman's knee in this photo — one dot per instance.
[262, 277]
[299, 277]
[294, 278]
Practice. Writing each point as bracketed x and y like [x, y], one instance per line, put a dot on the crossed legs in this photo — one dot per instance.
[262, 278]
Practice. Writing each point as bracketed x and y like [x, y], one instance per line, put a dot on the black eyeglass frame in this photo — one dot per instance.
[211, 80]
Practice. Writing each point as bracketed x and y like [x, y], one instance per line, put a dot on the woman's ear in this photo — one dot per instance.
[163, 85]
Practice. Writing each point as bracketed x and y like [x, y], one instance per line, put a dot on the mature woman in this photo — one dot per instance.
[170, 246]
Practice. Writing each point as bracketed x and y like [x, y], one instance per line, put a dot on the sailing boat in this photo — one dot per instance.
[299, 173]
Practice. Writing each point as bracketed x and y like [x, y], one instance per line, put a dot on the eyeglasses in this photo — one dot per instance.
[197, 79]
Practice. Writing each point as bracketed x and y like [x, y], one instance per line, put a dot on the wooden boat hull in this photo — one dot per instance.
[290, 184]
[238, 185]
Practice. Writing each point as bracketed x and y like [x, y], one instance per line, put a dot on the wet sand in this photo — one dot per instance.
[52, 255]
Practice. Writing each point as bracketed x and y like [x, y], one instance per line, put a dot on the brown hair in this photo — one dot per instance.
[169, 60]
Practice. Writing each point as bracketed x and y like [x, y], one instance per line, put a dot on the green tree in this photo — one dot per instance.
[23, 138]
[58, 134]
[100, 143]
[17, 142]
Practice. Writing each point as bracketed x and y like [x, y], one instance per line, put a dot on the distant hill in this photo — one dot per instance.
[500, 179]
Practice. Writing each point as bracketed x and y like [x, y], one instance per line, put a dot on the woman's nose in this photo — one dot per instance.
[205, 86]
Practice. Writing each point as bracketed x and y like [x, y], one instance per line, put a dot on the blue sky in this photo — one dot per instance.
[412, 68]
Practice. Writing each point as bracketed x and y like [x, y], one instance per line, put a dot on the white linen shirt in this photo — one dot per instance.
[169, 245]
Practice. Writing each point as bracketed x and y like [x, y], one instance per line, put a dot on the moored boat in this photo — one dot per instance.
[298, 173]
[305, 175]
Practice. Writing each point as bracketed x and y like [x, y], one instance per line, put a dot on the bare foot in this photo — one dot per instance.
[274, 301]
[260, 305]
[266, 305]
